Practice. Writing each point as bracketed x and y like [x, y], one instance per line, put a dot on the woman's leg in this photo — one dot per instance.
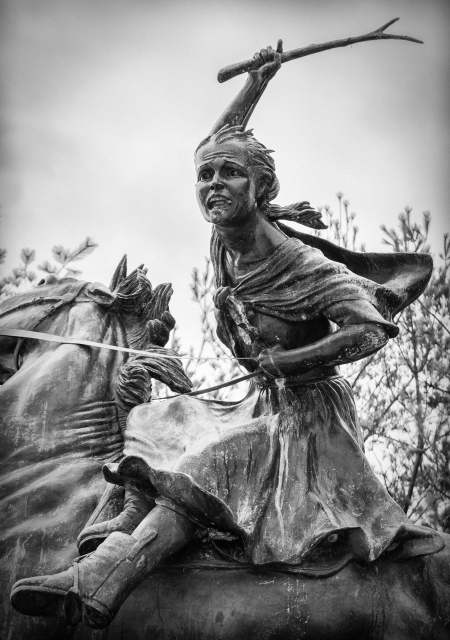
[97, 585]
[135, 507]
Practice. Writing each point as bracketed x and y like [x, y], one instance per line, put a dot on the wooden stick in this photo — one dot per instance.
[249, 65]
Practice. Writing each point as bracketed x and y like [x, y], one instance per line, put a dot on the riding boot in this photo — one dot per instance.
[136, 506]
[94, 589]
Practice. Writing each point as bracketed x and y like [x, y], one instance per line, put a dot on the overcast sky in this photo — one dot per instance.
[104, 102]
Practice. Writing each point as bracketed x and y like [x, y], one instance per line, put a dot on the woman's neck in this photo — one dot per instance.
[250, 242]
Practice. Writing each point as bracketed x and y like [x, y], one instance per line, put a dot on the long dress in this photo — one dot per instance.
[284, 469]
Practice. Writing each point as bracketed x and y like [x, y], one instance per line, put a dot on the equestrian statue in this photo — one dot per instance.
[260, 518]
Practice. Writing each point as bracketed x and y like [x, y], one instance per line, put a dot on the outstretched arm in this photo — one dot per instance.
[241, 108]
[362, 331]
[350, 343]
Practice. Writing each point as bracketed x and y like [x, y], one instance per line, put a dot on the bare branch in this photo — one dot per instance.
[434, 316]
[249, 65]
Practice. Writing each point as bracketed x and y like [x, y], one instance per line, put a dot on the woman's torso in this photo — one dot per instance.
[272, 332]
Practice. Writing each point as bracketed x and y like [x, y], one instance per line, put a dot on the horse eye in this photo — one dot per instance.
[333, 537]
[6, 373]
[41, 282]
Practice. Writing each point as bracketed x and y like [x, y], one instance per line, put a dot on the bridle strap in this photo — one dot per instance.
[36, 335]
[67, 298]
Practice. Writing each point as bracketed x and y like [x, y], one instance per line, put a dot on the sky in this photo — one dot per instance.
[104, 101]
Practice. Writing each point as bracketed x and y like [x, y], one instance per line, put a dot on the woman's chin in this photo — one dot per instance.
[220, 216]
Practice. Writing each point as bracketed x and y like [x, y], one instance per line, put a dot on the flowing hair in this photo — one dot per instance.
[264, 167]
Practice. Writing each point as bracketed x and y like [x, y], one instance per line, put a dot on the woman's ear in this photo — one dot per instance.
[260, 189]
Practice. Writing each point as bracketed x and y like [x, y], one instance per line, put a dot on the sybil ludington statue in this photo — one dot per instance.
[278, 479]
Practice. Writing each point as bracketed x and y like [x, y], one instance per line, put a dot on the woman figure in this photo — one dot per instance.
[283, 471]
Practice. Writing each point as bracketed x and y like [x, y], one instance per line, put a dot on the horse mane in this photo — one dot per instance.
[148, 322]
[144, 310]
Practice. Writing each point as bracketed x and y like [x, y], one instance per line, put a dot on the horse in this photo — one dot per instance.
[381, 600]
[63, 409]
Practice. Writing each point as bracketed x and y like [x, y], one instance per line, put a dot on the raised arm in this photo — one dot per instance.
[241, 108]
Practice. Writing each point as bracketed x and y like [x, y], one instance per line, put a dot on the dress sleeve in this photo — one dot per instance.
[360, 311]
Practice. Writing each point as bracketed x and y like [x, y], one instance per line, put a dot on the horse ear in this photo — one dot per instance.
[100, 294]
[119, 274]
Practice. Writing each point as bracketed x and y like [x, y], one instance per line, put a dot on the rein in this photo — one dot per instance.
[23, 334]
[72, 296]
[50, 337]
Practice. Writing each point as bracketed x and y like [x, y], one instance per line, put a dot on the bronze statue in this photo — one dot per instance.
[279, 479]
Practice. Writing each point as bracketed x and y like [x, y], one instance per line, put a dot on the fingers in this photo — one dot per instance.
[268, 55]
[258, 56]
[264, 56]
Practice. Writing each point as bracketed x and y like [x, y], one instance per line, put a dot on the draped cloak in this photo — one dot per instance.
[283, 470]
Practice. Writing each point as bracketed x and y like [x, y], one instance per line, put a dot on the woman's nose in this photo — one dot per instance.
[216, 182]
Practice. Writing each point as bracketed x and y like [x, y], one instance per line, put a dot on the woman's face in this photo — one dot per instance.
[226, 187]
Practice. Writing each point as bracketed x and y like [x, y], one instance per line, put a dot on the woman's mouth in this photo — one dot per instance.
[218, 201]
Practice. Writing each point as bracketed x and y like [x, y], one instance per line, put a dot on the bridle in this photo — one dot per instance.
[60, 301]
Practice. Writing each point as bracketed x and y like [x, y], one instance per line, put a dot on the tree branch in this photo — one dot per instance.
[249, 65]
[434, 316]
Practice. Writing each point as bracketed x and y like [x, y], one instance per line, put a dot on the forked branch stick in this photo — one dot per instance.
[249, 65]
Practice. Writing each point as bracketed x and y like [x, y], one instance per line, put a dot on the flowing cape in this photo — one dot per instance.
[405, 274]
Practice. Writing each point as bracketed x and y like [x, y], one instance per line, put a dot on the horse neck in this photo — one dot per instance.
[89, 321]
[75, 376]
[62, 399]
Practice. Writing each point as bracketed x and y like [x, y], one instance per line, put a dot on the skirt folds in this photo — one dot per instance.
[284, 469]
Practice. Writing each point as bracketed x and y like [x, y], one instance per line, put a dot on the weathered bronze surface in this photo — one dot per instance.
[259, 518]
[62, 415]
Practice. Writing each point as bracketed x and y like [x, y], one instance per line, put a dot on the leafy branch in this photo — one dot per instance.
[23, 277]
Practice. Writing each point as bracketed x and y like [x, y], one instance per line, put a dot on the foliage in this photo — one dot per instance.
[342, 229]
[23, 277]
[403, 391]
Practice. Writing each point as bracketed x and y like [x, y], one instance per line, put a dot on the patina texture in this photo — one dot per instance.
[61, 416]
[284, 469]
[264, 517]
